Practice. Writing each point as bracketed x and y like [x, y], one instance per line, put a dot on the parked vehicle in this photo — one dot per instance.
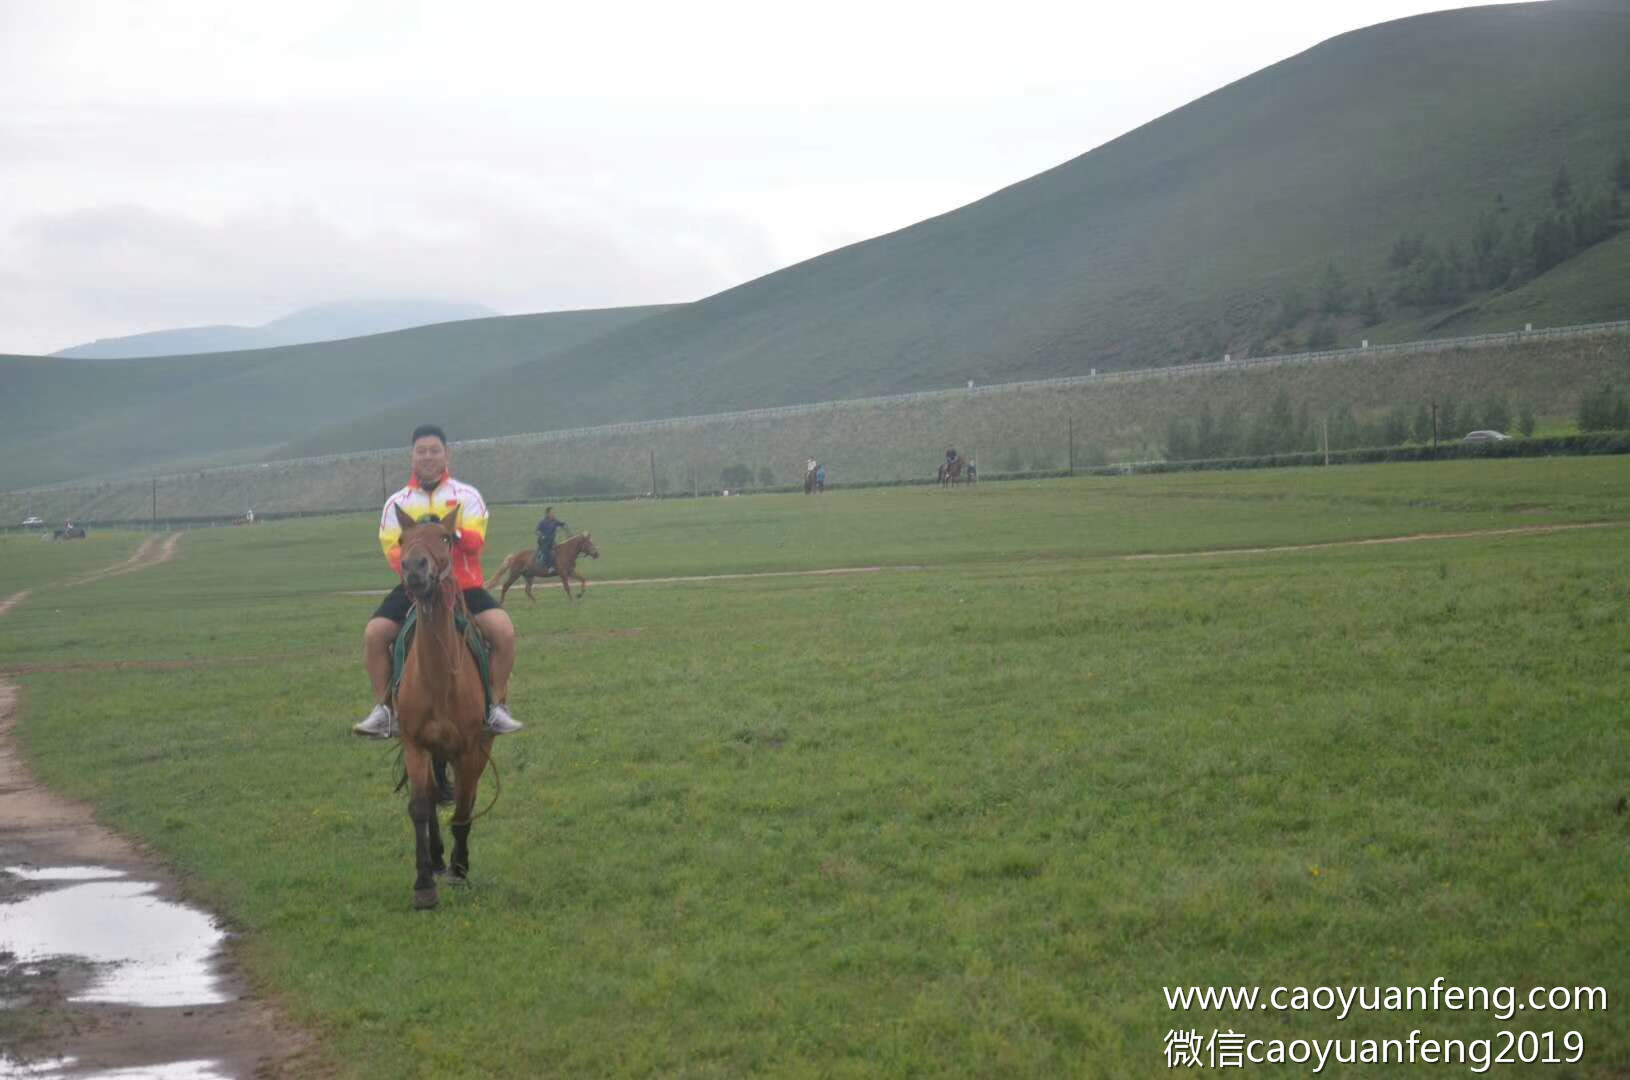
[1485, 436]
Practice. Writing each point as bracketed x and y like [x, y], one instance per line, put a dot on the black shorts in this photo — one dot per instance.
[396, 604]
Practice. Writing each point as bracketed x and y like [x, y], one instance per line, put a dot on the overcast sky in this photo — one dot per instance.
[172, 163]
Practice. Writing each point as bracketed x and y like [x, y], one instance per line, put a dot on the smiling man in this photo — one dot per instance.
[432, 492]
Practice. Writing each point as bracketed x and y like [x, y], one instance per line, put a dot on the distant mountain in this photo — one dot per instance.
[323, 322]
[65, 418]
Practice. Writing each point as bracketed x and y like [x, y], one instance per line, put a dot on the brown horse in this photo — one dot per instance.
[440, 703]
[525, 564]
[950, 472]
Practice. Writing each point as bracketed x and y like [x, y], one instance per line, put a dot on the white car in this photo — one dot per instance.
[1485, 436]
[33, 522]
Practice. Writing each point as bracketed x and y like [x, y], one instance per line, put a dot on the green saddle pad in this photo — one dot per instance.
[472, 637]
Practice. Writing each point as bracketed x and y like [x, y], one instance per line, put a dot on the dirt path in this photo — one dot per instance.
[1410, 539]
[152, 551]
[40, 829]
[1200, 554]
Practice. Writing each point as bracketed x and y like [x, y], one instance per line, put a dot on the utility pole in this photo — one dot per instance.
[1072, 446]
[1327, 441]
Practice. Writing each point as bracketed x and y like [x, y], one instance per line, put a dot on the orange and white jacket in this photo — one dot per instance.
[419, 504]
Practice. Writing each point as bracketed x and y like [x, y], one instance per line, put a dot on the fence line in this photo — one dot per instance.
[392, 454]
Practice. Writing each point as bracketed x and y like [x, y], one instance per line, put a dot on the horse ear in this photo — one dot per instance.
[402, 518]
[451, 522]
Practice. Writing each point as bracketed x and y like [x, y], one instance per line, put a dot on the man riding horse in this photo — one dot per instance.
[546, 539]
[433, 494]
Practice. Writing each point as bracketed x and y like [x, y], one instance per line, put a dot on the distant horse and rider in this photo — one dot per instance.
[956, 469]
[69, 531]
[529, 564]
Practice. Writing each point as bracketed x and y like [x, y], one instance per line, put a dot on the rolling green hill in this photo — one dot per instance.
[1179, 240]
[63, 418]
[1174, 240]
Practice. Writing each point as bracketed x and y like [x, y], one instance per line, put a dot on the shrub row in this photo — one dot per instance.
[1597, 442]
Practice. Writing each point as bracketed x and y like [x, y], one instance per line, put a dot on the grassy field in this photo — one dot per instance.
[966, 815]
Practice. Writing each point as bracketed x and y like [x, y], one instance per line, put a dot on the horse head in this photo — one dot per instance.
[588, 547]
[427, 553]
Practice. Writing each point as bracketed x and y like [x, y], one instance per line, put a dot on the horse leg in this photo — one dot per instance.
[470, 766]
[438, 864]
[529, 595]
[422, 810]
[582, 586]
[444, 786]
[566, 583]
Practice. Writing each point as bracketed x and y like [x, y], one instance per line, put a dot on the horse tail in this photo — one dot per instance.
[503, 568]
[497, 790]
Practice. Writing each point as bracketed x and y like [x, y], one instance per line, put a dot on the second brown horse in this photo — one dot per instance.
[525, 564]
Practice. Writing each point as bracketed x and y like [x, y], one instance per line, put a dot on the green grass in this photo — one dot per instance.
[961, 820]
[32, 559]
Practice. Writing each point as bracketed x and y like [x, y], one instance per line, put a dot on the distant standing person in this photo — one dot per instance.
[432, 493]
[809, 477]
[546, 538]
[820, 478]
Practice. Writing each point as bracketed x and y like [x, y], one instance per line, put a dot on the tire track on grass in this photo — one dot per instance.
[1472, 534]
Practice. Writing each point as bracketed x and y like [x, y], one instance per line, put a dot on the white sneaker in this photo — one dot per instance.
[379, 724]
[499, 722]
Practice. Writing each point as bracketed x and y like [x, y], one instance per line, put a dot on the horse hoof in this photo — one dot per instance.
[424, 899]
[458, 877]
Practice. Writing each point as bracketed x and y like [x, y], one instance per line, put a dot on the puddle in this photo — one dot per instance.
[144, 951]
[67, 1067]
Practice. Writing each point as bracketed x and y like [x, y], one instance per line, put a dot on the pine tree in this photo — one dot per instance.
[1449, 420]
[1369, 307]
[1421, 429]
[1179, 441]
[1561, 187]
[1281, 425]
[1621, 172]
[1332, 291]
[1292, 307]
[1395, 428]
